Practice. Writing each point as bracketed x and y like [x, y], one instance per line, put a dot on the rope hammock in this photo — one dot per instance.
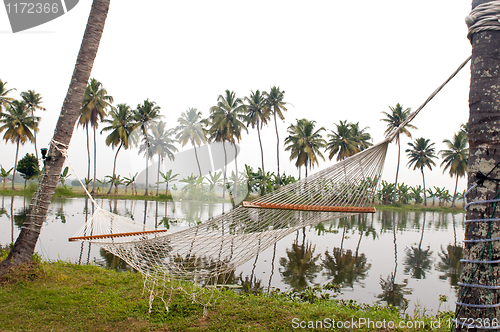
[206, 254]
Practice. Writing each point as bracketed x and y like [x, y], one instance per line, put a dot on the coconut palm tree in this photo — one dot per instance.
[258, 116]
[190, 129]
[305, 143]
[4, 100]
[160, 144]
[33, 101]
[361, 136]
[274, 102]
[394, 119]
[228, 116]
[455, 158]
[483, 141]
[19, 126]
[145, 115]
[121, 125]
[342, 142]
[94, 104]
[24, 247]
[420, 155]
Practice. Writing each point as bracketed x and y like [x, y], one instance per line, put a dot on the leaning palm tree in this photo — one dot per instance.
[94, 104]
[394, 119]
[4, 100]
[160, 144]
[190, 129]
[274, 102]
[19, 126]
[258, 116]
[121, 125]
[420, 155]
[33, 101]
[342, 142]
[24, 247]
[228, 115]
[145, 115]
[455, 158]
[305, 143]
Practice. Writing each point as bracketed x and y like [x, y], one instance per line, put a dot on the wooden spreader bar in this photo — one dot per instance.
[107, 236]
[303, 207]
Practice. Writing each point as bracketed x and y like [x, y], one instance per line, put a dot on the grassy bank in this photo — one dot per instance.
[60, 296]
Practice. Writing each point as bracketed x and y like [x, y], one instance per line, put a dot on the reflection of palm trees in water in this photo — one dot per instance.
[345, 268]
[300, 267]
[11, 217]
[418, 261]
[90, 230]
[114, 262]
[392, 293]
[342, 266]
[450, 260]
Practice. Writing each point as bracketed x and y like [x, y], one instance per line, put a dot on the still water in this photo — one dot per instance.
[387, 258]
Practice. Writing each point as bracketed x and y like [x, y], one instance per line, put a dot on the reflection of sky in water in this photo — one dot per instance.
[379, 251]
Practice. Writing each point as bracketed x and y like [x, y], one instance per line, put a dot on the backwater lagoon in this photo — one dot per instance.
[404, 259]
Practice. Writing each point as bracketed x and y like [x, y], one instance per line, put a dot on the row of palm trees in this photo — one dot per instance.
[226, 122]
[18, 120]
[228, 119]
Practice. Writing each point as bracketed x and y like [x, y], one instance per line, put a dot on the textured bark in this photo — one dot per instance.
[484, 154]
[24, 247]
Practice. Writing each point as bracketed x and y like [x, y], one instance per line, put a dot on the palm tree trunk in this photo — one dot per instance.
[261, 149]
[423, 180]
[114, 167]
[397, 169]
[454, 192]
[15, 164]
[484, 130]
[236, 166]
[24, 247]
[196, 155]
[277, 147]
[263, 182]
[88, 153]
[147, 174]
[158, 177]
[95, 162]
[225, 167]
[34, 135]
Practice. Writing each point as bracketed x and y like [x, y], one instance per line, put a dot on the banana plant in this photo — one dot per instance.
[168, 177]
[63, 176]
[4, 174]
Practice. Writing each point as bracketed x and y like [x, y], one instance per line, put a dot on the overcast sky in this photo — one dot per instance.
[335, 60]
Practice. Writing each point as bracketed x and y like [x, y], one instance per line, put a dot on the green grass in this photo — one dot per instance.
[60, 296]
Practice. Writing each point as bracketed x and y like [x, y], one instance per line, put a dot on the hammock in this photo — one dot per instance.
[208, 253]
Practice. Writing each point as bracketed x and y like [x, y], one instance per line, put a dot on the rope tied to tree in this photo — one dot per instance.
[484, 17]
[64, 152]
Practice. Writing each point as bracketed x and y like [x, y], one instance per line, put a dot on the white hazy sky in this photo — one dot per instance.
[335, 60]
